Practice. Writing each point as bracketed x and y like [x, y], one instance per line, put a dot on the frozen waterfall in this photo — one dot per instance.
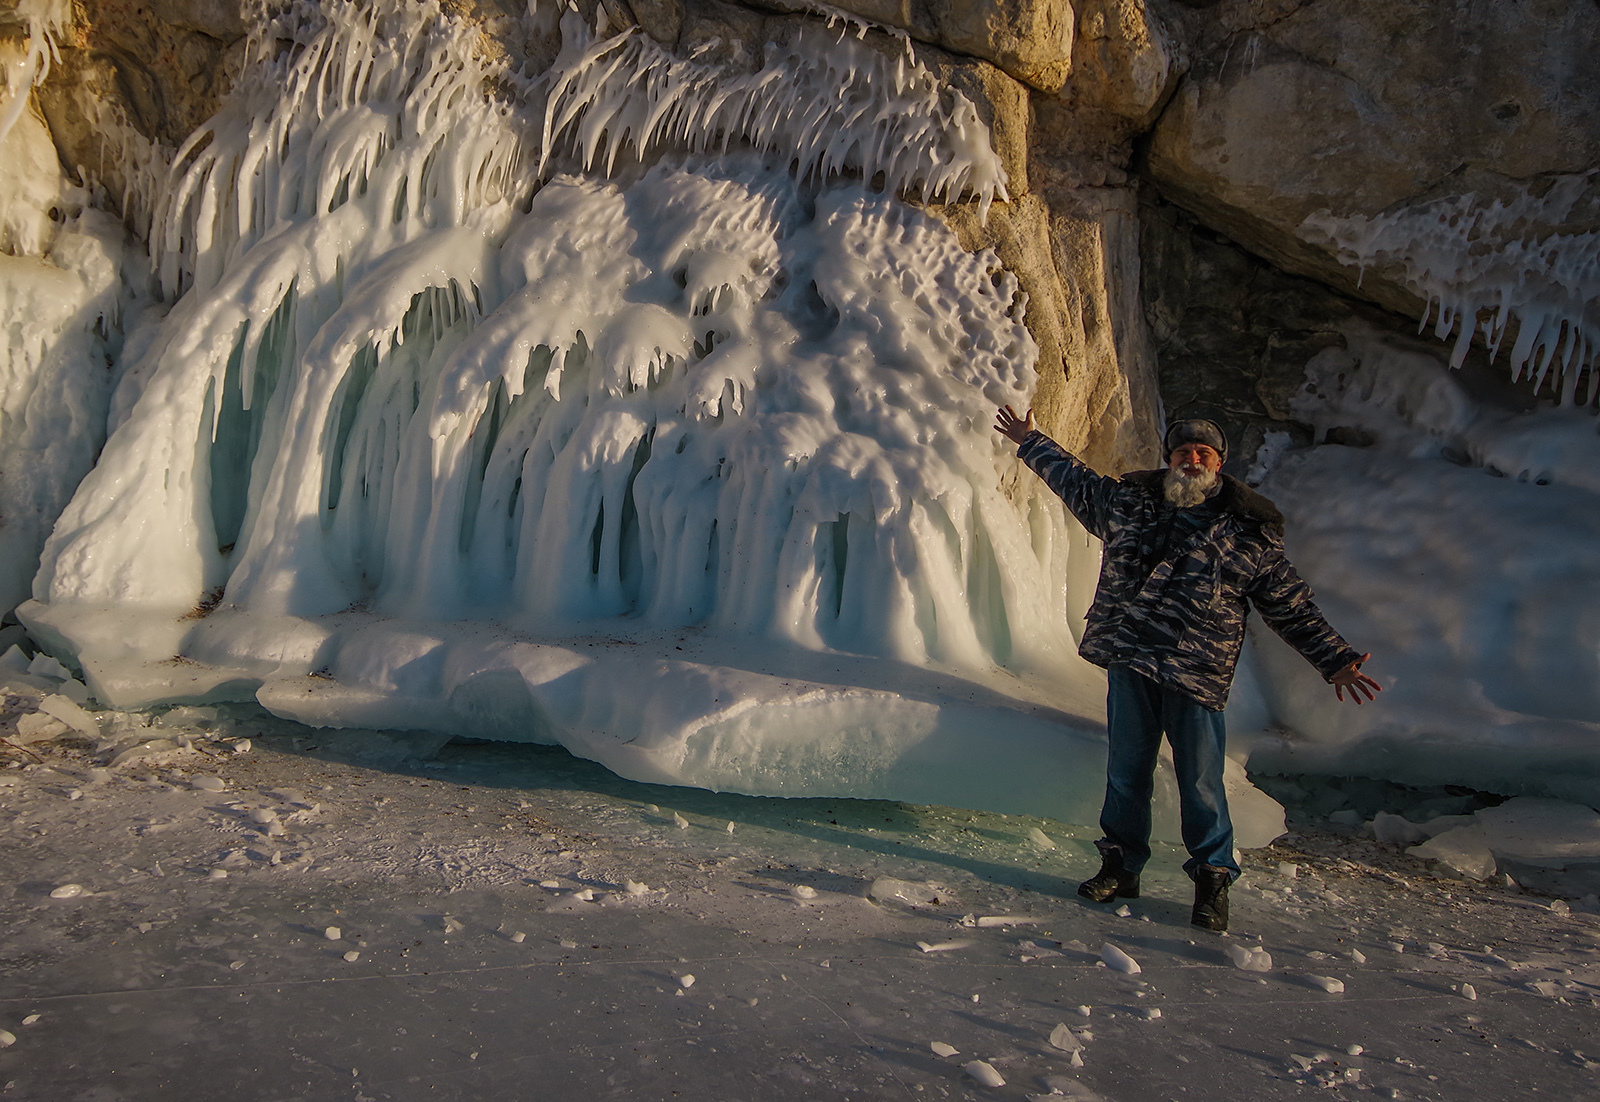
[627, 406]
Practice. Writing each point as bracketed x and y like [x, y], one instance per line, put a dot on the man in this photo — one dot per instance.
[1185, 549]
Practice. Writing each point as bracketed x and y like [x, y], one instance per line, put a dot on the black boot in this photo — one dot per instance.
[1111, 881]
[1211, 898]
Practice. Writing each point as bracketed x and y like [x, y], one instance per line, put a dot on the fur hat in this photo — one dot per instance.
[1196, 431]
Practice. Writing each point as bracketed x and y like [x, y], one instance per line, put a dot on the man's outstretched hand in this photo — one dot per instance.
[1012, 427]
[1353, 679]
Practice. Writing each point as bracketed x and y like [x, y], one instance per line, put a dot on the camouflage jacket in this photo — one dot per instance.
[1178, 616]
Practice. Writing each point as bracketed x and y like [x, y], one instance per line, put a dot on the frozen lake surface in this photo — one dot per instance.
[354, 915]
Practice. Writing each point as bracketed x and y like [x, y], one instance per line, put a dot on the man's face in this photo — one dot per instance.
[1193, 460]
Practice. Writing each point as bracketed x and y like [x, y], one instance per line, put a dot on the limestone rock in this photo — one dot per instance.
[1359, 105]
[1079, 264]
[1029, 39]
[1124, 60]
[662, 20]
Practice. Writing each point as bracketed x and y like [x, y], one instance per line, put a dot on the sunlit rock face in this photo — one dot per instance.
[1386, 148]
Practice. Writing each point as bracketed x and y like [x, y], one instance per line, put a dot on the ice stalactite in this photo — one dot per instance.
[45, 20]
[1483, 266]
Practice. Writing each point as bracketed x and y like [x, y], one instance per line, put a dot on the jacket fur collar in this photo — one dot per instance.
[1234, 497]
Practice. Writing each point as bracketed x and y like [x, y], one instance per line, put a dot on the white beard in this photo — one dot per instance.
[1187, 491]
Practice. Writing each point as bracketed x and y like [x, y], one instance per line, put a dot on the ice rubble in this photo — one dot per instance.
[574, 431]
[1459, 545]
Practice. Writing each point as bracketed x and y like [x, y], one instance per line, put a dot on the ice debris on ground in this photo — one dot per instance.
[1330, 984]
[1040, 838]
[1249, 958]
[68, 891]
[984, 1073]
[943, 946]
[915, 893]
[941, 1049]
[1119, 961]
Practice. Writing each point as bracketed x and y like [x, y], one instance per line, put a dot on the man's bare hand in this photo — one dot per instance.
[1358, 683]
[1012, 427]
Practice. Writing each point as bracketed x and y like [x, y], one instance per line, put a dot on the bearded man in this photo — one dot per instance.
[1187, 551]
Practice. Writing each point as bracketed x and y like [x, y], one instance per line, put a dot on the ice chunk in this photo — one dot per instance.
[453, 925]
[679, 821]
[1118, 961]
[984, 1073]
[1396, 830]
[1358, 956]
[1123, 911]
[916, 893]
[1469, 992]
[218, 874]
[942, 946]
[39, 727]
[1040, 838]
[44, 665]
[68, 891]
[1541, 832]
[941, 1049]
[208, 783]
[1063, 1038]
[70, 713]
[1288, 870]
[1464, 849]
[633, 887]
[803, 892]
[518, 938]
[1150, 1013]
[332, 933]
[1249, 958]
[686, 980]
[7, 1038]
[30, 1019]
[352, 956]
[1328, 983]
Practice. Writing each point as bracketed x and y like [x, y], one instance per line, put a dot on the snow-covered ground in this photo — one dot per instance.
[216, 903]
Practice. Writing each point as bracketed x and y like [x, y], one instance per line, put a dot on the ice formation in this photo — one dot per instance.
[62, 300]
[1459, 545]
[627, 407]
[1507, 260]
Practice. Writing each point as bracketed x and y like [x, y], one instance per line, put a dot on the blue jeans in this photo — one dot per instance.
[1138, 712]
